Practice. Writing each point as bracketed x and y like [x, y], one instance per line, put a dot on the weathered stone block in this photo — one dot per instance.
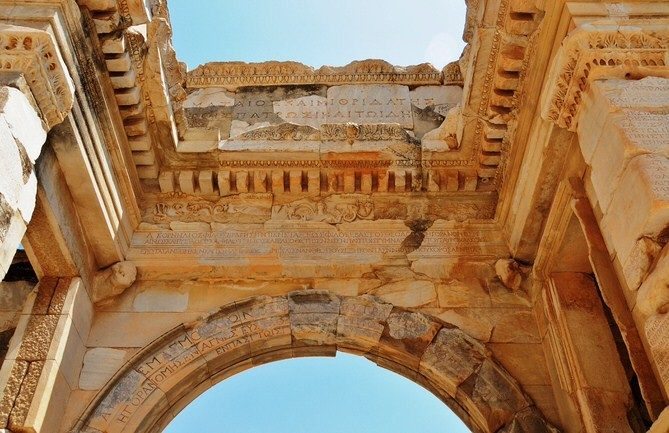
[451, 358]
[638, 263]
[313, 316]
[100, 364]
[493, 394]
[408, 293]
[528, 420]
[640, 205]
[406, 337]
[307, 110]
[362, 322]
[628, 134]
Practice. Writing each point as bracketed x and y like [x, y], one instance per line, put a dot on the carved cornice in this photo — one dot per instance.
[34, 54]
[603, 50]
[240, 74]
[499, 81]
[452, 75]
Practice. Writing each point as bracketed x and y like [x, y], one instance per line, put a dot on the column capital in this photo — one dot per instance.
[628, 48]
[34, 54]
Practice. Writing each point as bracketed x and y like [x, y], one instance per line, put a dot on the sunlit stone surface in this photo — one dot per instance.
[495, 231]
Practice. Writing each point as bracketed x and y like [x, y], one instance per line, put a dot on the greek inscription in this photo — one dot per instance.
[657, 332]
[288, 244]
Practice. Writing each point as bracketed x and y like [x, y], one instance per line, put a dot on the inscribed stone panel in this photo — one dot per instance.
[390, 103]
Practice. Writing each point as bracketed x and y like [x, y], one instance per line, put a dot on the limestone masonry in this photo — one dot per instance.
[495, 231]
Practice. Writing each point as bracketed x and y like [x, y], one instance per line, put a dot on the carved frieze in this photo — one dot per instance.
[332, 210]
[335, 208]
[252, 208]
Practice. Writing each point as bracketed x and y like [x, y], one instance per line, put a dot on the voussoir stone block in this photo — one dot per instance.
[451, 358]
[406, 336]
[362, 321]
[494, 394]
[100, 364]
[313, 316]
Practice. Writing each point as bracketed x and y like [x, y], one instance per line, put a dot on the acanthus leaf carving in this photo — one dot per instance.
[596, 51]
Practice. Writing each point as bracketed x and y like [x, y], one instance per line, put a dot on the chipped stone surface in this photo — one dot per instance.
[509, 273]
[453, 356]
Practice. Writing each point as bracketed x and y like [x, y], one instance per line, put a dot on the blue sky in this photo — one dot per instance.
[346, 394]
[318, 32]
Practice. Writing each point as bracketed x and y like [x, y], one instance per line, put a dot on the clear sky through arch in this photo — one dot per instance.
[346, 394]
[318, 32]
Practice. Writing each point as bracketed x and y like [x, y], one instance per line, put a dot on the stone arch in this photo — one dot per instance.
[170, 372]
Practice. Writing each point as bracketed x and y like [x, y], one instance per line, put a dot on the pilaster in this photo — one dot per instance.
[45, 356]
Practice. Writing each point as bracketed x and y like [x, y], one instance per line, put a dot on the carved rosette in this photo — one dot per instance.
[34, 53]
[595, 51]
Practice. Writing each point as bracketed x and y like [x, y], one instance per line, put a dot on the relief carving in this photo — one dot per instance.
[332, 211]
[34, 53]
[351, 132]
[281, 132]
[253, 208]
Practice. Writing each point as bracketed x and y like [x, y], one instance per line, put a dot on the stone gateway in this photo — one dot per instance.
[495, 231]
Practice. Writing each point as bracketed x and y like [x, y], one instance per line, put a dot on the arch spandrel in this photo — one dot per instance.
[177, 367]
